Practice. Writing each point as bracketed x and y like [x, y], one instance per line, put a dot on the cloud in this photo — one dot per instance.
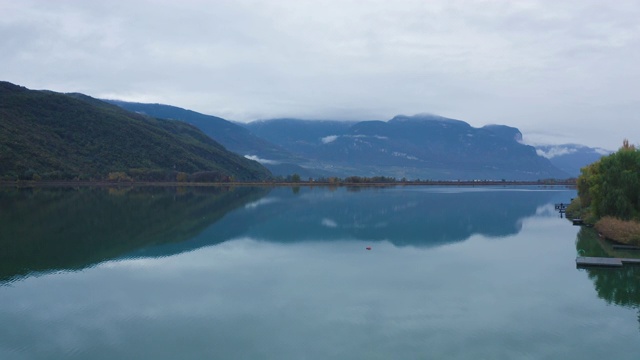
[552, 152]
[261, 202]
[379, 137]
[329, 223]
[262, 161]
[329, 139]
[602, 151]
[404, 155]
[564, 67]
[332, 138]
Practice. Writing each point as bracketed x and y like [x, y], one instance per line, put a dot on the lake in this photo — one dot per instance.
[307, 273]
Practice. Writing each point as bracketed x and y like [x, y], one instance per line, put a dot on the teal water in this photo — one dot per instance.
[284, 273]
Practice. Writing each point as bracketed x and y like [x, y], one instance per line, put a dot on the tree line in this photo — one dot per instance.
[611, 186]
[609, 195]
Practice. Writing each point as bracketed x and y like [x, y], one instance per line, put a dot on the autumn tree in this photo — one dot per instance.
[611, 186]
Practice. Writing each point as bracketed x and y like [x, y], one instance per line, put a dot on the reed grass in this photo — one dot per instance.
[626, 232]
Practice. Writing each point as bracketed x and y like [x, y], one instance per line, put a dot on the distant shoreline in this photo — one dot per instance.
[72, 183]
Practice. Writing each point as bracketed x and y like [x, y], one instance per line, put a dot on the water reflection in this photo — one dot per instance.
[619, 286]
[52, 229]
[420, 217]
[510, 297]
[424, 216]
[44, 229]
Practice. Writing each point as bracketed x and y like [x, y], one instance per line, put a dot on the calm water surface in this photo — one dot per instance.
[284, 273]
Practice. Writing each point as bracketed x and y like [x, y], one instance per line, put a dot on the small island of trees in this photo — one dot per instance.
[609, 195]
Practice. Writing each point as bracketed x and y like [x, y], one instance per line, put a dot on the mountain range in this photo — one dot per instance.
[421, 146]
[570, 158]
[232, 136]
[53, 136]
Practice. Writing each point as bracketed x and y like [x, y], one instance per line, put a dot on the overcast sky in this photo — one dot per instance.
[560, 71]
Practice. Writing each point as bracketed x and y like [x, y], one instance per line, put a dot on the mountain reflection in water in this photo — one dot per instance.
[47, 229]
[44, 229]
[418, 216]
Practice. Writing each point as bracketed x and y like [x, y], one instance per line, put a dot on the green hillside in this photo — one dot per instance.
[48, 135]
[232, 136]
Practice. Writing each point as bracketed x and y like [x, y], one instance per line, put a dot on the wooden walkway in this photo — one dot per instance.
[585, 261]
[626, 247]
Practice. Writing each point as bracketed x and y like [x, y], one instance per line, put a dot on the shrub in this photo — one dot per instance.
[118, 176]
[624, 231]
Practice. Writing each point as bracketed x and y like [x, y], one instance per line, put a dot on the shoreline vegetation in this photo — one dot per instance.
[620, 231]
[609, 196]
[332, 182]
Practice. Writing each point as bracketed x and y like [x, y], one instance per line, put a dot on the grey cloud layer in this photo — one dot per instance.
[563, 68]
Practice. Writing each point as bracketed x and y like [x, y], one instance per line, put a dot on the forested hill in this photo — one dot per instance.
[233, 136]
[48, 135]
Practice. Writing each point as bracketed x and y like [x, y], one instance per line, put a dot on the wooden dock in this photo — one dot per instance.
[625, 247]
[561, 206]
[586, 261]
